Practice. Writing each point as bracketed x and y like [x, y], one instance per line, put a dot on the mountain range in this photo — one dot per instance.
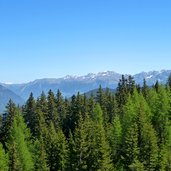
[70, 85]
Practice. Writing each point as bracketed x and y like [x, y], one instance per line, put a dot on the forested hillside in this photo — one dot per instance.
[126, 131]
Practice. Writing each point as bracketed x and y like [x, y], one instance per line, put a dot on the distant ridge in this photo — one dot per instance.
[70, 85]
[95, 91]
[6, 95]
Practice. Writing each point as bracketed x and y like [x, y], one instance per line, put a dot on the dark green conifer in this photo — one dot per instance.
[30, 116]
[131, 151]
[56, 149]
[61, 108]
[52, 114]
[40, 156]
[169, 81]
[7, 121]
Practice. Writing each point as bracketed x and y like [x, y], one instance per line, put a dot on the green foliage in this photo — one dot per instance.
[115, 140]
[52, 114]
[40, 156]
[100, 96]
[3, 159]
[89, 149]
[56, 149]
[15, 162]
[30, 115]
[0, 120]
[126, 131]
[136, 166]
[100, 144]
[148, 143]
[169, 81]
[131, 151]
[98, 114]
[7, 121]
[80, 146]
[61, 109]
[102, 150]
[19, 145]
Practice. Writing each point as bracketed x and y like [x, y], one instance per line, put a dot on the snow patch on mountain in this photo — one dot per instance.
[70, 85]
[148, 77]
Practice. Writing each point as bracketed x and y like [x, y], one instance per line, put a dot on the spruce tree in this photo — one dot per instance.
[131, 151]
[156, 86]
[122, 93]
[145, 89]
[79, 147]
[61, 108]
[147, 142]
[100, 96]
[0, 120]
[102, 155]
[40, 156]
[73, 160]
[74, 113]
[52, 114]
[131, 84]
[169, 81]
[7, 121]
[30, 115]
[89, 148]
[41, 115]
[98, 114]
[90, 105]
[167, 156]
[56, 148]
[162, 114]
[129, 112]
[42, 103]
[149, 148]
[102, 151]
[137, 166]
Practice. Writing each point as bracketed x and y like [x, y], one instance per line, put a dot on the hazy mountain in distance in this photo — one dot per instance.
[152, 76]
[95, 91]
[70, 85]
[6, 95]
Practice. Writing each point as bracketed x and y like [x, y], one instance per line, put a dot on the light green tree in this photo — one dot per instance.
[4, 162]
[19, 145]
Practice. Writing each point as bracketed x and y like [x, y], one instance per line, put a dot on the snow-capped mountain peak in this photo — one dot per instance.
[70, 85]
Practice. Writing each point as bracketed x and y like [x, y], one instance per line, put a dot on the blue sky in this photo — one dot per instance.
[41, 38]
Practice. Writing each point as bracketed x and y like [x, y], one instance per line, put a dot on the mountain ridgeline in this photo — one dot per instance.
[6, 94]
[70, 85]
[127, 130]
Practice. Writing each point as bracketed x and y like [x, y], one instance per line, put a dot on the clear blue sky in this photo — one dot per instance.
[54, 38]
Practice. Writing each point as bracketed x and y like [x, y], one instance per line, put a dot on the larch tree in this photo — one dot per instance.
[19, 145]
[4, 161]
[115, 140]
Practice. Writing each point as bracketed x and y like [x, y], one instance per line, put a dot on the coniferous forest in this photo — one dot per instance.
[129, 130]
